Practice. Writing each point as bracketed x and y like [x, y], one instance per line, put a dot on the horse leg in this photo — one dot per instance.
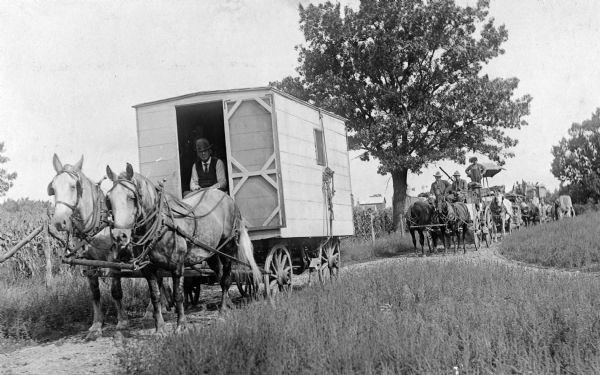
[117, 294]
[152, 279]
[95, 330]
[464, 236]
[422, 241]
[226, 281]
[178, 289]
[443, 238]
[414, 240]
[166, 295]
[166, 299]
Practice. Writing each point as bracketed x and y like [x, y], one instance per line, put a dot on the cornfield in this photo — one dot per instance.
[382, 222]
[17, 220]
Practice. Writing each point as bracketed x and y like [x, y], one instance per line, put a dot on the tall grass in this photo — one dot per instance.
[30, 311]
[568, 243]
[356, 249]
[410, 318]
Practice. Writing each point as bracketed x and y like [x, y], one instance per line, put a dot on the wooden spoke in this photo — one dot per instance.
[279, 266]
[330, 260]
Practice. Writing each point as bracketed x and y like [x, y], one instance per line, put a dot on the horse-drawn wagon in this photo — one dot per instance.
[286, 163]
[287, 204]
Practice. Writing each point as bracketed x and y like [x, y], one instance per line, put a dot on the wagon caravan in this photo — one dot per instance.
[287, 165]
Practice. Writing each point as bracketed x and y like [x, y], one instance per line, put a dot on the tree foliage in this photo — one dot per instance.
[6, 178]
[577, 159]
[408, 76]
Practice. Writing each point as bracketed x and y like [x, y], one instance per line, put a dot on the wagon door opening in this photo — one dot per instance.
[204, 120]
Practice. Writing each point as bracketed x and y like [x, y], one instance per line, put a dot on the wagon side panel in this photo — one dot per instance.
[157, 144]
[302, 171]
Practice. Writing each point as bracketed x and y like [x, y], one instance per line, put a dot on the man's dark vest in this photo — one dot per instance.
[209, 178]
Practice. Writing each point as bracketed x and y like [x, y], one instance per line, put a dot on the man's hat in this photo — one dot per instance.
[437, 174]
[473, 159]
[202, 144]
[456, 173]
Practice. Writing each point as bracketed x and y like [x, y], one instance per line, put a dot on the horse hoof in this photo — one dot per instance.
[93, 335]
[123, 324]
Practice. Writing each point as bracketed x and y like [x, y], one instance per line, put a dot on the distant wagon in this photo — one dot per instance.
[286, 162]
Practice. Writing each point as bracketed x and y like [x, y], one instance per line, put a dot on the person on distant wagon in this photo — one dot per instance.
[458, 187]
[439, 188]
[475, 171]
[207, 171]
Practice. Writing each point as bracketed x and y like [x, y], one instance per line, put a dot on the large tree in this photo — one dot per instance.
[6, 179]
[408, 76]
[577, 159]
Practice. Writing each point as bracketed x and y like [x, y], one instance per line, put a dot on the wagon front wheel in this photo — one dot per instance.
[278, 265]
[247, 287]
[330, 260]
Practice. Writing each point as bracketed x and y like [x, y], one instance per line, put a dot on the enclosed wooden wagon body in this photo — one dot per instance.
[276, 149]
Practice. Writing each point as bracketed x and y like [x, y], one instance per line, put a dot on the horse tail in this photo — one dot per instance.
[246, 250]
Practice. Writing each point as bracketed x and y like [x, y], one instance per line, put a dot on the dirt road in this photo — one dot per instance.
[73, 355]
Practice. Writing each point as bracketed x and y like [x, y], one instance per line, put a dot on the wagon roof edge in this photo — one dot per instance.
[213, 92]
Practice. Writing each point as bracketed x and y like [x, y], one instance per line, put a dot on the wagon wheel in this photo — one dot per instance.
[245, 286]
[330, 260]
[278, 266]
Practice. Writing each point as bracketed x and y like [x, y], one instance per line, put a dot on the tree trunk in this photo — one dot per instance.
[399, 182]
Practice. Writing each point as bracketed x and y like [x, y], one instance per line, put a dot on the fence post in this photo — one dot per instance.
[372, 228]
[48, 255]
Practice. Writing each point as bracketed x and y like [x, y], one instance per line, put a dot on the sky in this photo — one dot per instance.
[71, 70]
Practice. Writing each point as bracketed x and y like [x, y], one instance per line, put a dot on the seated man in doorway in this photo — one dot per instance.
[207, 172]
[475, 171]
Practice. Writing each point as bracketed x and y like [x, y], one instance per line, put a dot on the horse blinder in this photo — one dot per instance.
[50, 189]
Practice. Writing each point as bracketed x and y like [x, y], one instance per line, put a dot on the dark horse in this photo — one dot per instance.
[530, 213]
[169, 228]
[419, 215]
[457, 218]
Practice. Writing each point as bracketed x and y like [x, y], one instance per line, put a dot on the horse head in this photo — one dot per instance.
[130, 199]
[67, 189]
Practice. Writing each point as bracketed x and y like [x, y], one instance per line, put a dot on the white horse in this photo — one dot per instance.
[502, 213]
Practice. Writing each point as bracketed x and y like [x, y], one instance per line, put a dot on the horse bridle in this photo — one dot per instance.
[132, 187]
[77, 179]
[96, 215]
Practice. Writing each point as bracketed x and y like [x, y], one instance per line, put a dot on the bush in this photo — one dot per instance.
[406, 318]
[568, 243]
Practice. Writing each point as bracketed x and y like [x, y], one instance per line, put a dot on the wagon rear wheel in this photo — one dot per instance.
[278, 266]
[330, 260]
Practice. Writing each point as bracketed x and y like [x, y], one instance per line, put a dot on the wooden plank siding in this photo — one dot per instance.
[301, 175]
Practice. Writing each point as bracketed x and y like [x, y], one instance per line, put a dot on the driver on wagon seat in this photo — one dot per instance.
[208, 171]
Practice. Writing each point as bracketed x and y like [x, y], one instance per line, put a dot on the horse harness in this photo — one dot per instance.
[161, 219]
